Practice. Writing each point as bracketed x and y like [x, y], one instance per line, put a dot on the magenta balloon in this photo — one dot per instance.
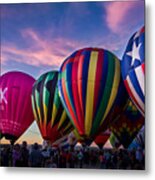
[15, 104]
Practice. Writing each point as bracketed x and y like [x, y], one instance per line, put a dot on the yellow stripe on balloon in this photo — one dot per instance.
[62, 119]
[90, 91]
[114, 88]
[34, 111]
[39, 116]
[54, 113]
[45, 114]
[44, 107]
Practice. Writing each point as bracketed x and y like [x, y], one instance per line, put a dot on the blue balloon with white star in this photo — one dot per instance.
[133, 69]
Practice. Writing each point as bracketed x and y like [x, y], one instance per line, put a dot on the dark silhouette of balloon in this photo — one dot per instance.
[49, 113]
[127, 124]
[15, 104]
[133, 69]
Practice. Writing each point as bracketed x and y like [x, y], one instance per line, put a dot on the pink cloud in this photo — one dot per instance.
[40, 52]
[117, 13]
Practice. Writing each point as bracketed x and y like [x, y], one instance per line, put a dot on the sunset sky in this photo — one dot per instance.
[36, 38]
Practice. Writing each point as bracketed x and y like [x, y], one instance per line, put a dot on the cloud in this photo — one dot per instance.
[40, 51]
[119, 13]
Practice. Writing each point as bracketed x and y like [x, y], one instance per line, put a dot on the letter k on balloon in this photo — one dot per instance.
[2, 95]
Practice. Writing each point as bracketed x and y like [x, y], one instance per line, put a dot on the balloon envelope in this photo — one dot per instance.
[127, 124]
[133, 69]
[88, 85]
[49, 113]
[15, 104]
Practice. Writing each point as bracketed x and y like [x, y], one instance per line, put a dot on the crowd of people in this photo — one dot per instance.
[51, 157]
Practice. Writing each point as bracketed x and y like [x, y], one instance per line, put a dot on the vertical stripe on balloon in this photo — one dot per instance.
[79, 79]
[45, 104]
[75, 90]
[86, 53]
[98, 79]
[62, 119]
[90, 91]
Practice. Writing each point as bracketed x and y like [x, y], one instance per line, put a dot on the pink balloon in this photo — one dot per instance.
[15, 104]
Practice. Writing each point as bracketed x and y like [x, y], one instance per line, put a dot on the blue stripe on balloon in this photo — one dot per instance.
[69, 85]
[86, 54]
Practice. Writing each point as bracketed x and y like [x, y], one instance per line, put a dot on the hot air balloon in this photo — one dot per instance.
[15, 104]
[49, 113]
[88, 85]
[133, 69]
[102, 138]
[127, 124]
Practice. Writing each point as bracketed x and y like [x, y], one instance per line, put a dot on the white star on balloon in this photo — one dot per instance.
[134, 54]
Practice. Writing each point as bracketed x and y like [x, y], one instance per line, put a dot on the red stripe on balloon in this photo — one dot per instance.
[80, 79]
[75, 81]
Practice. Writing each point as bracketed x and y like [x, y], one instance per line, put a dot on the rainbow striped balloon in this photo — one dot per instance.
[49, 113]
[88, 85]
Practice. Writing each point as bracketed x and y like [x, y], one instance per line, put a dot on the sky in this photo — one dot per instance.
[38, 37]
